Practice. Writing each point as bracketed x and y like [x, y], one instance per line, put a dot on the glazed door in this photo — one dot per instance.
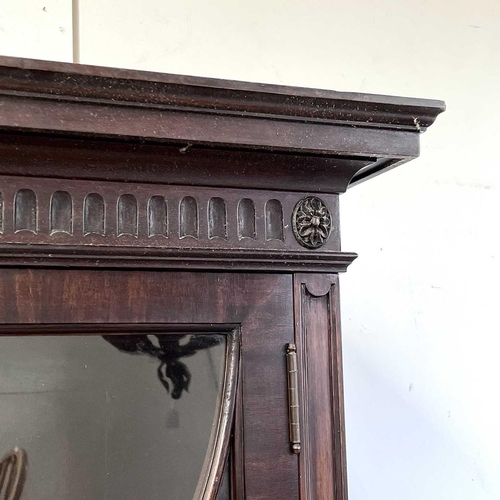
[127, 385]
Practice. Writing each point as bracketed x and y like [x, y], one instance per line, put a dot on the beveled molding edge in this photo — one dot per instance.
[349, 136]
[118, 87]
[22, 255]
[354, 136]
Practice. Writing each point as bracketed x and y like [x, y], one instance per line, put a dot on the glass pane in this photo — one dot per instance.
[225, 486]
[116, 417]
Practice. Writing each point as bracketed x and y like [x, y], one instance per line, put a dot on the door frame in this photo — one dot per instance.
[260, 306]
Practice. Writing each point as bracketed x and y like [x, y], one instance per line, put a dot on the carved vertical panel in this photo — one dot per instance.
[188, 218]
[61, 213]
[126, 215]
[323, 459]
[246, 219]
[217, 218]
[274, 220]
[25, 211]
[157, 216]
[93, 215]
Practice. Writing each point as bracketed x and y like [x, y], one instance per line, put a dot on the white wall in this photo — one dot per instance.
[40, 29]
[420, 332]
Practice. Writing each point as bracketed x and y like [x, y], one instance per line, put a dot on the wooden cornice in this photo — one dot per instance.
[105, 167]
[187, 93]
[358, 135]
[13, 255]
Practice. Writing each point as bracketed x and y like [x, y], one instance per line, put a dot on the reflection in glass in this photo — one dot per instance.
[169, 351]
[96, 421]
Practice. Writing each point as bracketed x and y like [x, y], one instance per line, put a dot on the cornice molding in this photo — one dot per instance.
[106, 167]
[18, 255]
[191, 112]
[121, 87]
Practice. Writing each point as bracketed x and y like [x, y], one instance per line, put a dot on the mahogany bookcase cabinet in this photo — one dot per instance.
[169, 260]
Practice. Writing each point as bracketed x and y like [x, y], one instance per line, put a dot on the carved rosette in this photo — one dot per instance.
[311, 222]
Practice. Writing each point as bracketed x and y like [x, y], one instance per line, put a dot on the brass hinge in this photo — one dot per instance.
[293, 397]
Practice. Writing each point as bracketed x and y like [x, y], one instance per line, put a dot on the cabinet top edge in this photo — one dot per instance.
[62, 80]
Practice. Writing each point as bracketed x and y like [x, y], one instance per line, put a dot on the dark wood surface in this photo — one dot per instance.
[261, 304]
[56, 157]
[27, 255]
[84, 101]
[323, 472]
[90, 157]
[76, 80]
[62, 212]
[52, 222]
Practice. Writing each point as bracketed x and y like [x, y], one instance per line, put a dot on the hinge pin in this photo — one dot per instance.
[293, 397]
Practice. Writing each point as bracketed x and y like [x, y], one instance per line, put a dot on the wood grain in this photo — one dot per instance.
[187, 92]
[261, 304]
[84, 101]
[137, 174]
[132, 161]
[322, 461]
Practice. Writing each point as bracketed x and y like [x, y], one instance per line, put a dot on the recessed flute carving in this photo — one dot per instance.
[127, 215]
[217, 218]
[1, 213]
[94, 212]
[25, 211]
[157, 216]
[61, 213]
[274, 221]
[54, 217]
[246, 219]
[188, 218]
